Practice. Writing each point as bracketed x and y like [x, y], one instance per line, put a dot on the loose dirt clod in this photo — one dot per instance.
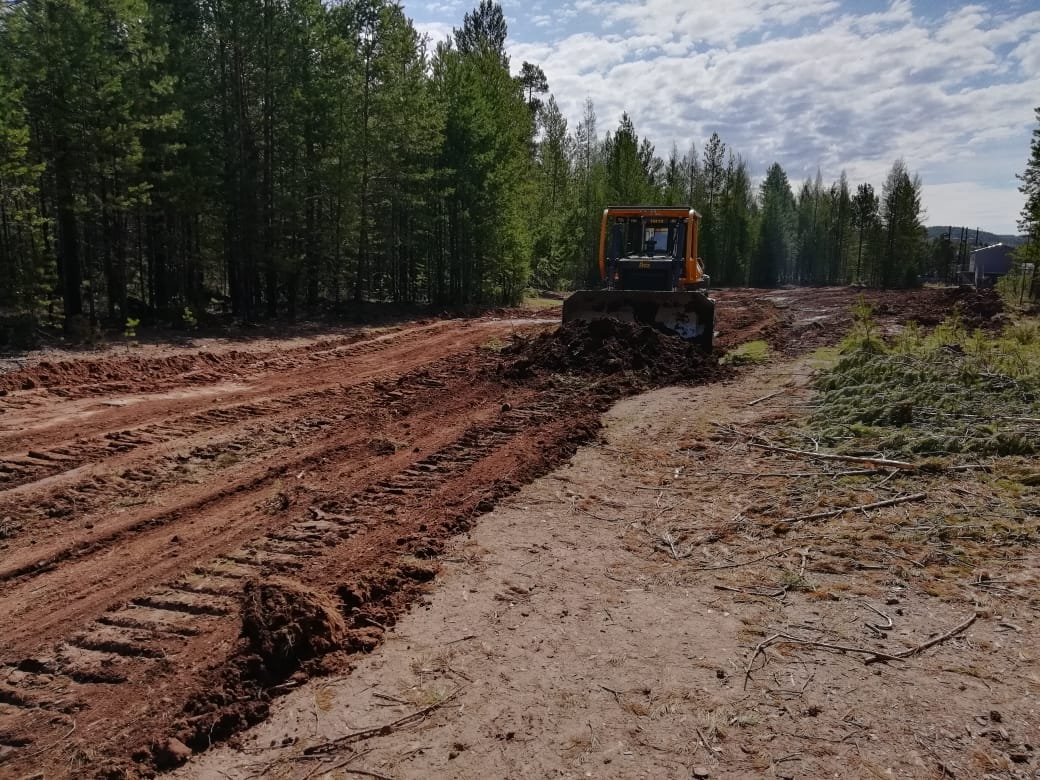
[607, 347]
[287, 623]
[171, 753]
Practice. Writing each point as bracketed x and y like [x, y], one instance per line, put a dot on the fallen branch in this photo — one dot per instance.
[872, 655]
[758, 649]
[744, 563]
[931, 642]
[777, 593]
[378, 731]
[765, 398]
[894, 464]
[363, 772]
[858, 507]
[792, 474]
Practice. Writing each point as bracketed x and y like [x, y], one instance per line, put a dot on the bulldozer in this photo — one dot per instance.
[651, 274]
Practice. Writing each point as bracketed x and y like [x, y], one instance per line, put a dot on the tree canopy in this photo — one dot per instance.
[266, 157]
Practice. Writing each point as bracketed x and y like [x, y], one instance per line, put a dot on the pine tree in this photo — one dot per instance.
[774, 247]
[839, 230]
[713, 182]
[589, 194]
[630, 166]
[24, 265]
[554, 242]
[487, 159]
[532, 79]
[904, 233]
[1029, 220]
[865, 218]
[735, 217]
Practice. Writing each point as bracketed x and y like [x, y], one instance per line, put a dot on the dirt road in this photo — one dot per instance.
[140, 493]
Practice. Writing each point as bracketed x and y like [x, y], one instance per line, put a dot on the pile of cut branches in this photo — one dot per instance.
[946, 392]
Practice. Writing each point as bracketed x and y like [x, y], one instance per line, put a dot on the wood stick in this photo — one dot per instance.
[363, 772]
[765, 398]
[844, 509]
[744, 563]
[791, 474]
[895, 464]
[933, 641]
[758, 649]
[378, 731]
[776, 594]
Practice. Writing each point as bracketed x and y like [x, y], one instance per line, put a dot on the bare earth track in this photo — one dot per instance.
[140, 494]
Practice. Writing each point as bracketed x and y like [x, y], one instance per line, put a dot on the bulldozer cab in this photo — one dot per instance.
[651, 273]
[650, 248]
[646, 237]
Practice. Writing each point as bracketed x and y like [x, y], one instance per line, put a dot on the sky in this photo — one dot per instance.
[826, 85]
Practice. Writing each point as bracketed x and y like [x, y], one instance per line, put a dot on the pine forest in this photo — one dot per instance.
[268, 158]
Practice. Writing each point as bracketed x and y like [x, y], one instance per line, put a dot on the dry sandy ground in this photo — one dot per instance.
[646, 612]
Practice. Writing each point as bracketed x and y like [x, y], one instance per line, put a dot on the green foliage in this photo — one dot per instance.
[902, 253]
[188, 319]
[749, 352]
[950, 391]
[1029, 220]
[864, 337]
[269, 155]
[776, 230]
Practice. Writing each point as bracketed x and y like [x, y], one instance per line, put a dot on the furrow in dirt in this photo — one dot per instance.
[133, 647]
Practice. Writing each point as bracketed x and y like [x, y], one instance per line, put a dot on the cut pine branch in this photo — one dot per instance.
[858, 507]
[892, 464]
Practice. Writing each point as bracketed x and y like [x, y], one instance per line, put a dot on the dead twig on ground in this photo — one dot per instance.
[706, 744]
[759, 648]
[878, 628]
[780, 636]
[379, 731]
[962, 626]
[895, 464]
[777, 593]
[388, 697]
[859, 507]
[873, 656]
[363, 772]
[615, 694]
[743, 563]
[792, 474]
[765, 397]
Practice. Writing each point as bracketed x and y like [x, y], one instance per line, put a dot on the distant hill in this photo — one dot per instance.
[985, 238]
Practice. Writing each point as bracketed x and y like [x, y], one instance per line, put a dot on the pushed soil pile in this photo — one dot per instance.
[287, 623]
[978, 307]
[605, 347]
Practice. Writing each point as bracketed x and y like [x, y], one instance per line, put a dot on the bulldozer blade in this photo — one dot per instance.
[688, 314]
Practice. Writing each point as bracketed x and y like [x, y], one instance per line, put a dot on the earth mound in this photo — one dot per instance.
[606, 347]
[978, 307]
[287, 623]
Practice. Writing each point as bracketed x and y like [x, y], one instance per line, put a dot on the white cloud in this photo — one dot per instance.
[1028, 55]
[969, 204]
[437, 31]
[811, 84]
